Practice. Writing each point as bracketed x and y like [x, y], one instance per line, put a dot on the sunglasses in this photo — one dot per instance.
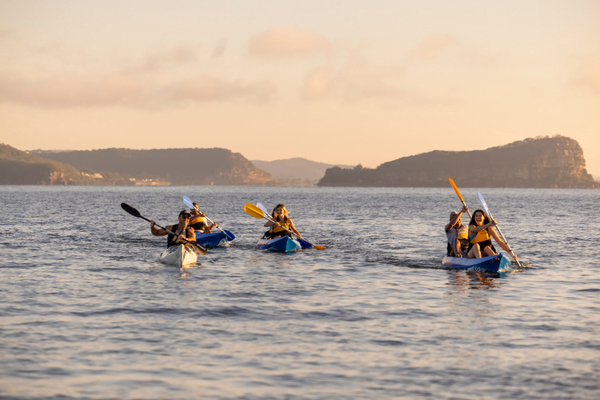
[185, 216]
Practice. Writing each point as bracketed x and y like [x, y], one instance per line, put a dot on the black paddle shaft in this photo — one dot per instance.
[132, 211]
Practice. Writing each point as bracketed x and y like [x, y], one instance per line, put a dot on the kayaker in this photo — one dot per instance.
[280, 215]
[481, 229]
[194, 211]
[181, 230]
[198, 222]
[457, 234]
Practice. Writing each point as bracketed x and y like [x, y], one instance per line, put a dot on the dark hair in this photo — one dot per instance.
[285, 218]
[485, 218]
[199, 225]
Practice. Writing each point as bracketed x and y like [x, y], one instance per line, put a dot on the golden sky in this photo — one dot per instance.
[338, 81]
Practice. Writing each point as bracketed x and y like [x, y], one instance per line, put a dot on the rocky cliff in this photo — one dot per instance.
[175, 166]
[548, 162]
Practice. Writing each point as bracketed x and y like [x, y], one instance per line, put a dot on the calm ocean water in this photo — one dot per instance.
[87, 311]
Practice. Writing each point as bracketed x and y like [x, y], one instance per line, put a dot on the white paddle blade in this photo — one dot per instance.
[263, 208]
[188, 202]
[484, 204]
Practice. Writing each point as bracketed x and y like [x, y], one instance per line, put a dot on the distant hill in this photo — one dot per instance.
[19, 168]
[548, 162]
[177, 166]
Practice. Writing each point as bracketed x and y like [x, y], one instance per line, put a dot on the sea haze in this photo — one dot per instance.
[87, 311]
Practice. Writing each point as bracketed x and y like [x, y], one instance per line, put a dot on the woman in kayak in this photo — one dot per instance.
[181, 231]
[199, 224]
[481, 229]
[280, 215]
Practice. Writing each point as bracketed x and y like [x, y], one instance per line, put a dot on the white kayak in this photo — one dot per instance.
[179, 256]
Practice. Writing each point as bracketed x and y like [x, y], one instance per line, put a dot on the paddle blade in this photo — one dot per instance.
[188, 202]
[456, 189]
[263, 208]
[484, 204]
[253, 211]
[230, 236]
[306, 244]
[198, 248]
[130, 210]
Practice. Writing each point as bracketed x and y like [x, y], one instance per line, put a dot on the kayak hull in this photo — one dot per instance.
[493, 263]
[283, 244]
[211, 239]
[179, 256]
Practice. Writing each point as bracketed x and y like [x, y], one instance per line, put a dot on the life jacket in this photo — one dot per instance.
[463, 233]
[481, 236]
[276, 230]
[170, 238]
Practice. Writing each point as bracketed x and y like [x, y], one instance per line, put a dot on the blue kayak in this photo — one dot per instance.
[212, 239]
[284, 244]
[493, 263]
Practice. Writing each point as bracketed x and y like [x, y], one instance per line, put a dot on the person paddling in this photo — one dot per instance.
[199, 224]
[280, 215]
[182, 230]
[481, 229]
[457, 234]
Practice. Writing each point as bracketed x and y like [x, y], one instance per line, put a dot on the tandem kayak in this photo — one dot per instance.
[284, 244]
[179, 256]
[493, 263]
[212, 239]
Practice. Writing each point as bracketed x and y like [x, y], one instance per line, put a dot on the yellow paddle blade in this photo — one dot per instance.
[254, 211]
[319, 247]
[456, 189]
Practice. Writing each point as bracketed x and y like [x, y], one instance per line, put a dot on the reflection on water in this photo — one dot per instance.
[461, 280]
[88, 311]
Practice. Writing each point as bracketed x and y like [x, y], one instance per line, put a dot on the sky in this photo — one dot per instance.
[339, 82]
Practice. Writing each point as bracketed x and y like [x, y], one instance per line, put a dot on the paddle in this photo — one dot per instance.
[259, 212]
[189, 203]
[459, 195]
[198, 248]
[487, 211]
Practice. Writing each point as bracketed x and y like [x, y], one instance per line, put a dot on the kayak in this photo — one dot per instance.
[284, 244]
[212, 239]
[493, 263]
[179, 256]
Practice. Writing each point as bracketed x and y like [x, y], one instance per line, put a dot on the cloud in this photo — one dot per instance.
[356, 81]
[207, 88]
[287, 42]
[7, 34]
[318, 84]
[220, 49]
[587, 75]
[161, 60]
[69, 91]
[433, 45]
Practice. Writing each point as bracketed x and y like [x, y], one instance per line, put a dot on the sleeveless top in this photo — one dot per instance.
[171, 238]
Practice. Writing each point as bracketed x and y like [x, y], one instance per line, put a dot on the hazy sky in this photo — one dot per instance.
[343, 82]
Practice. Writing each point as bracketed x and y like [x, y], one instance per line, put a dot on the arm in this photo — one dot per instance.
[209, 227]
[500, 242]
[191, 234]
[293, 229]
[269, 224]
[454, 219]
[158, 232]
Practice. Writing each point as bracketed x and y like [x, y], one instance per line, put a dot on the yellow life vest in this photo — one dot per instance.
[481, 236]
[276, 228]
[463, 233]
